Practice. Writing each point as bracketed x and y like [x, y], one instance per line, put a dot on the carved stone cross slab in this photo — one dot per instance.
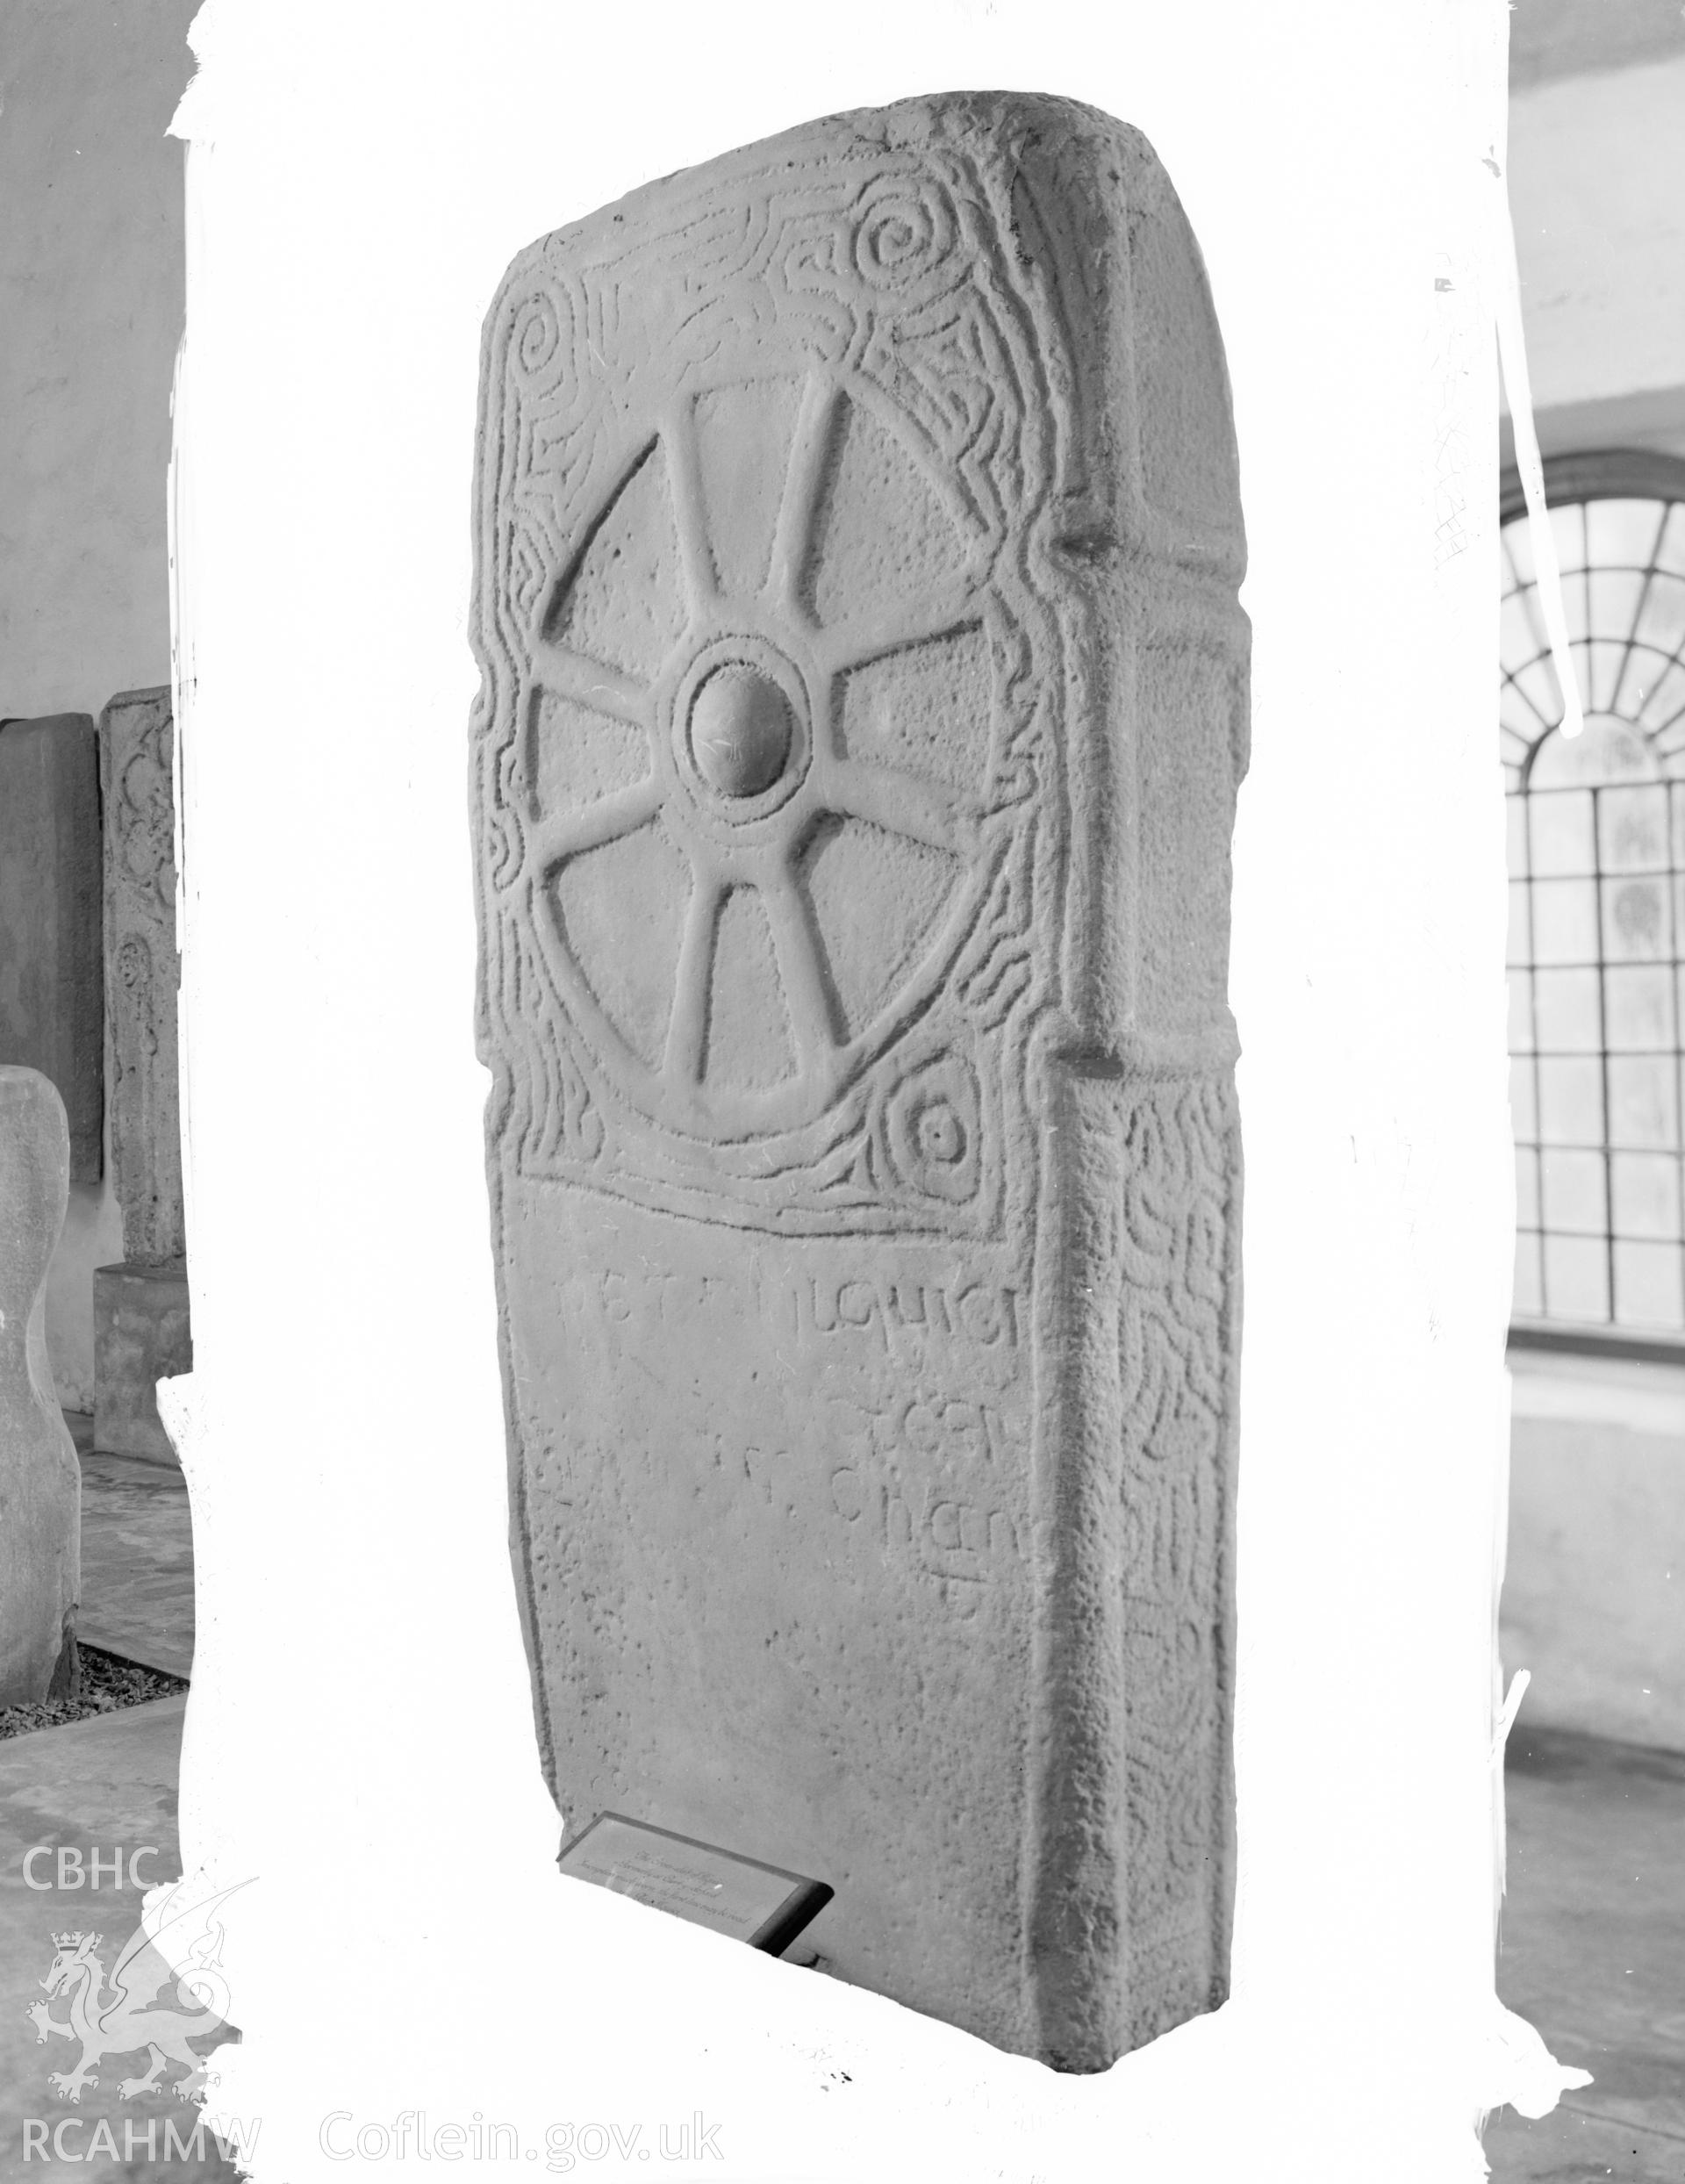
[143, 972]
[141, 1313]
[864, 698]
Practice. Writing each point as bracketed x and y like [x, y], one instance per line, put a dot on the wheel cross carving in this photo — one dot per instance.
[746, 760]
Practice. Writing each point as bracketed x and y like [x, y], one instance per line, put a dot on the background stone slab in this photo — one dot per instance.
[143, 972]
[142, 1335]
[51, 1006]
[39, 1481]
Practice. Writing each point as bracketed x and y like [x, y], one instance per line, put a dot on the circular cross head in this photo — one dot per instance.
[741, 729]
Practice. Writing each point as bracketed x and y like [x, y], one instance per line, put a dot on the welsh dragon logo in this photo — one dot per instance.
[149, 2003]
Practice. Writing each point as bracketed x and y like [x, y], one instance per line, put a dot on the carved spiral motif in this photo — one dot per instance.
[931, 1130]
[537, 338]
[133, 964]
[1188, 1819]
[148, 846]
[134, 974]
[905, 234]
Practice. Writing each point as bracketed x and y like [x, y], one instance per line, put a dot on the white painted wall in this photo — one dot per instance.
[91, 315]
[1598, 193]
[1593, 1603]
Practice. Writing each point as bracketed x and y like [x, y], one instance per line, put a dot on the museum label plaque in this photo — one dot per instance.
[761, 1905]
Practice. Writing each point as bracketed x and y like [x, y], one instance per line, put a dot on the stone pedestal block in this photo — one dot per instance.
[51, 1007]
[864, 699]
[40, 1481]
[142, 972]
[141, 1336]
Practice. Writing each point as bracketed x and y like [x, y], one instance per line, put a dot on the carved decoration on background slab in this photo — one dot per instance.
[853, 770]
[143, 972]
[141, 1320]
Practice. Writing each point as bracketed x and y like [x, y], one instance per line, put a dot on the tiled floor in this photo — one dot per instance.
[1593, 1944]
[1593, 1950]
[105, 1785]
[1593, 1953]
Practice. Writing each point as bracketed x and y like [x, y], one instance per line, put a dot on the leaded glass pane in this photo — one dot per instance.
[1576, 1277]
[1565, 920]
[1643, 1103]
[1599, 671]
[1560, 825]
[1528, 1302]
[1605, 751]
[1644, 1186]
[1567, 1012]
[1662, 702]
[1520, 930]
[1635, 920]
[1523, 1104]
[1535, 680]
[1521, 634]
[1574, 1201]
[1671, 552]
[1527, 1202]
[1520, 985]
[1515, 814]
[1661, 622]
[1647, 1284]
[1571, 1101]
[1642, 672]
[1633, 829]
[1638, 1006]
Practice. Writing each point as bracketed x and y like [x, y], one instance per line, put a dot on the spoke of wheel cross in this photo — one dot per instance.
[687, 1028]
[568, 674]
[799, 972]
[678, 441]
[803, 482]
[858, 638]
[900, 803]
[569, 833]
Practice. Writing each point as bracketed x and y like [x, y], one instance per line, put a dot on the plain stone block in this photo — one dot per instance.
[40, 1486]
[863, 700]
[142, 1335]
[143, 972]
[51, 1006]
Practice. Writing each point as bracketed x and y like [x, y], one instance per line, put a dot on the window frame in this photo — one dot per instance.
[1583, 475]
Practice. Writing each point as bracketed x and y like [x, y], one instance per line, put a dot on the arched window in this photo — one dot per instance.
[1597, 901]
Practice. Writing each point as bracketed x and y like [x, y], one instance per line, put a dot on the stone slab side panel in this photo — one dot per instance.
[1178, 1333]
[141, 1336]
[51, 1005]
[40, 1481]
[862, 705]
[143, 972]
